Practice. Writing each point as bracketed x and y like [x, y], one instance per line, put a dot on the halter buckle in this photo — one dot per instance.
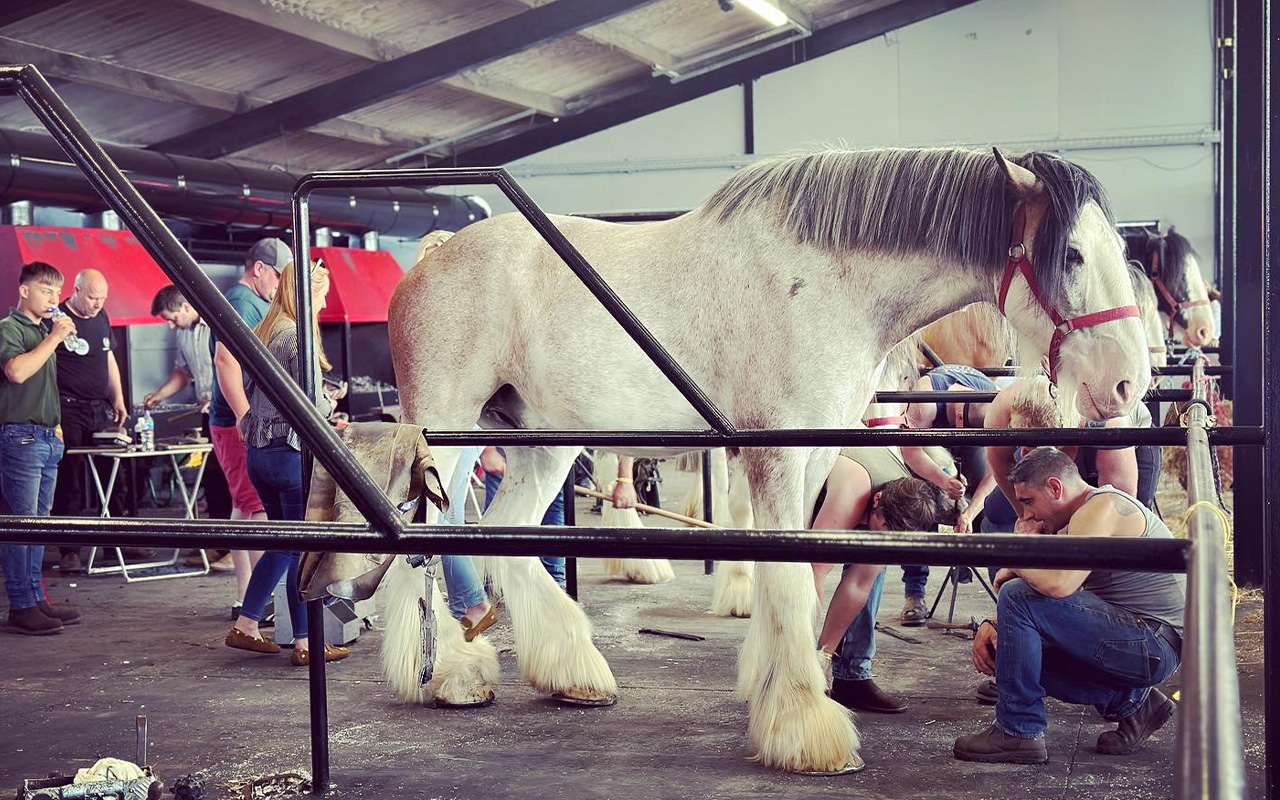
[1018, 252]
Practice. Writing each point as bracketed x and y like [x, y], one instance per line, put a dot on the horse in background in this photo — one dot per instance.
[1173, 267]
[780, 295]
[1151, 323]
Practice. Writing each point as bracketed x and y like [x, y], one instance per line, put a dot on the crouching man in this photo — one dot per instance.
[1104, 638]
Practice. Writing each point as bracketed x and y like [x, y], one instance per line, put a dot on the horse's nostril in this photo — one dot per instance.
[1123, 389]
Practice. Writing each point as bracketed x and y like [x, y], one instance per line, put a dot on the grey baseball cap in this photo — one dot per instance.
[272, 252]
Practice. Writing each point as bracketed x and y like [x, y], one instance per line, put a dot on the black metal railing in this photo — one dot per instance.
[1210, 747]
[386, 531]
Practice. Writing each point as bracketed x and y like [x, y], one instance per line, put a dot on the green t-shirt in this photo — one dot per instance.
[36, 399]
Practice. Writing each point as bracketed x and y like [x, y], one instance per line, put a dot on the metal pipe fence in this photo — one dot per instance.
[387, 532]
[1210, 747]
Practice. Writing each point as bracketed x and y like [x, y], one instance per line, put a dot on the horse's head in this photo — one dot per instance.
[1174, 268]
[1066, 288]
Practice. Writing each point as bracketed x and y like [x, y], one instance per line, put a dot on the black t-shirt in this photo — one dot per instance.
[85, 377]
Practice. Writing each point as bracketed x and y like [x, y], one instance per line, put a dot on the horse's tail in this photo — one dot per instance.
[403, 592]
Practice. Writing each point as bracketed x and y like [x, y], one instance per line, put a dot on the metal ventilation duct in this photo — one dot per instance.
[33, 167]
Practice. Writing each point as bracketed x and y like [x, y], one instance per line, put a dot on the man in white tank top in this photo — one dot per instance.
[1093, 637]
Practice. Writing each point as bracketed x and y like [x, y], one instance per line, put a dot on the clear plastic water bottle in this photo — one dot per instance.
[139, 437]
[73, 343]
[148, 431]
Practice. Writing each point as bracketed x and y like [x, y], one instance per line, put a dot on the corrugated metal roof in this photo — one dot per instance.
[141, 71]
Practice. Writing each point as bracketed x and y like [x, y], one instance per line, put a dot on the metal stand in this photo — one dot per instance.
[104, 497]
[570, 519]
[953, 578]
[319, 699]
[708, 567]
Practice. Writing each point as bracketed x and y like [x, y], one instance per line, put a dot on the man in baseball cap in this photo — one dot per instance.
[272, 253]
[251, 296]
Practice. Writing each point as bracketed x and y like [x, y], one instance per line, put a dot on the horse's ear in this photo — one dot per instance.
[1021, 180]
[1169, 232]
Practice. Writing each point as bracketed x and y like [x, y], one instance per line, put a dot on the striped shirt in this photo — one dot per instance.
[264, 422]
[194, 359]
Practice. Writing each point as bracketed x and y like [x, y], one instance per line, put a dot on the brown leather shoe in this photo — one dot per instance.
[471, 630]
[866, 696]
[64, 614]
[994, 746]
[242, 641]
[1135, 729]
[332, 652]
[31, 622]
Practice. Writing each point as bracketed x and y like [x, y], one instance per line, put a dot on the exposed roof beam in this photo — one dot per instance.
[659, 93]
[613, 36]
[390, 78]
[105, 75]
[14, 11]
[377, 51]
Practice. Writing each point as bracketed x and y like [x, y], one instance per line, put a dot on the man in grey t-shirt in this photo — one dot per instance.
[1098, 637]
[193, 366]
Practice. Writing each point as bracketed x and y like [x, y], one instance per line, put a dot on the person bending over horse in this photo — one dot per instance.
[868, 488]
[971, 460]
[1105, 638]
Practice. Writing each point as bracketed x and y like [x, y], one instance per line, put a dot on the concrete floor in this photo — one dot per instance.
[676, 732]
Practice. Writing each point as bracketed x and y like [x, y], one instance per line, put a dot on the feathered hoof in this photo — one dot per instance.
[561, 657]
[640, 570]
[481, 702]
[803, 732]
[584, 698]
[731, 596]
[465, 677]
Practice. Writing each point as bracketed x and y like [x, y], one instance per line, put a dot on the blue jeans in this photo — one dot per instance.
[276, 473]
[852, 659]
[914, 579]
[1079, 649]
[30, 455]
[554, 516]
[460, 579]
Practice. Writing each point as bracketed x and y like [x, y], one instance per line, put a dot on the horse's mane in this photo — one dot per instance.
[1173, 264]
[948, 203]
[1143, 290]
[1172, 248]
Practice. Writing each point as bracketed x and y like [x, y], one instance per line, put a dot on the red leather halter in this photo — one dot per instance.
[1018, 262]
[1175, 308]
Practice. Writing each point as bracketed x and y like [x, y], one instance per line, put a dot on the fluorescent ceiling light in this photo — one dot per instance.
[767, 11]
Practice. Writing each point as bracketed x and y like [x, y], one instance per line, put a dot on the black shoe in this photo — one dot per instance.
[1136, 728]
[987, 693]
[864, 695]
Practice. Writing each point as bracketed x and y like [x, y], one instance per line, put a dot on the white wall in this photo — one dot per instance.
[1042, 73]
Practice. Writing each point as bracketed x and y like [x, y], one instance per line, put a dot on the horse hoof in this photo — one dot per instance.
[856, 764]
[586, 702]
[487, 701]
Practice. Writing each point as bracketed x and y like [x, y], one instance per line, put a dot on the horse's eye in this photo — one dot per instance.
[1074, 259]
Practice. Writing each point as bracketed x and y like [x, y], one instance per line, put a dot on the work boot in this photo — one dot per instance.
[914, 613]
[31, 622]
[987, 693]
[64, 614]
[864, 695]
[1136, 728]
[994, 746]
[70, 562]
